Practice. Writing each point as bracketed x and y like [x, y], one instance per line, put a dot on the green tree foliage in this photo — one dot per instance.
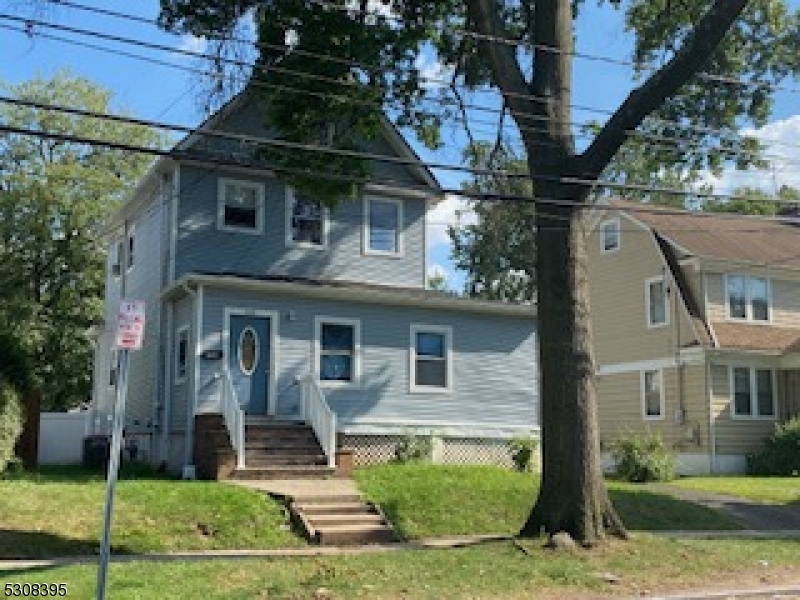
[54, 197]
[524, 50]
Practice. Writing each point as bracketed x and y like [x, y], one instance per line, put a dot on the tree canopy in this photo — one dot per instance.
[699, 69]
[54, 198]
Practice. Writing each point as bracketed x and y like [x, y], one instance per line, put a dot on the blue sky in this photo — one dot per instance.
[172, 95]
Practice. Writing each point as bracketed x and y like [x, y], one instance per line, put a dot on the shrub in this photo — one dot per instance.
[11, 418]
[781, 453]
[523, 449]
[413, 447]
[642, 458]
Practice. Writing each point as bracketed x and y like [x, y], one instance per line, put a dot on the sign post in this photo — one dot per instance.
[130, 331]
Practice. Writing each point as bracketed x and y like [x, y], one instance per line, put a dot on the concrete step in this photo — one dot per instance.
[283, 445]
[340, 535]
[323, 521]
[285, 472]
[334, 506]
[270, 460]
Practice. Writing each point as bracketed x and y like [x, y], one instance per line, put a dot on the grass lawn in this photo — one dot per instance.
[497, 570]
[424, 500]
[773, 490]
[59, 512]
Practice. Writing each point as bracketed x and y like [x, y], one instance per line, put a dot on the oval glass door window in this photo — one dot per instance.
[248, 351]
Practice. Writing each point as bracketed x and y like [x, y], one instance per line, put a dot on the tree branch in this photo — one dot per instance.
[697, 48]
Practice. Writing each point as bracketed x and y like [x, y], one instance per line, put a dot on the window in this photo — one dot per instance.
[653, 394]
[181, 354]
[657, 305]
[130, 254]
[609, 236]
[338, 342]
[747, 298]
[240, 206]
[112, 368]
[752, 392]
[431, 363]
[306, 221]
[382, 226]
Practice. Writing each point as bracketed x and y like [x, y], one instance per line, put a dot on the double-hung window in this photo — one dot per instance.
[747, 298]
[383, 226]
[338, 347]
[431, 358]
[181, 354]
[657, 302]
[609, 236]
[752, 393]
[240, 206]
[306, 221]
[652, 394]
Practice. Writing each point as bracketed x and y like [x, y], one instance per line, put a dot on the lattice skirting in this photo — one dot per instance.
[376, 449]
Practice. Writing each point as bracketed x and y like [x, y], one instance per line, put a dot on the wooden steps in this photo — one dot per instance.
[336, 520]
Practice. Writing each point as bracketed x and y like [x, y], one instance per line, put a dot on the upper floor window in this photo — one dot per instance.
[609, 236]
[747, 297]
[652, 394]
[306, 221]
[752, 392]
[382, 226]
[240, 206]
[181, 354]
[431, 358]
[338, 347]
[657, 305]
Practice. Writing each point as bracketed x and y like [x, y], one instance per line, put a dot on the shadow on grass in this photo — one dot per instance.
[16, 544]
[645, 510]
[81, 474]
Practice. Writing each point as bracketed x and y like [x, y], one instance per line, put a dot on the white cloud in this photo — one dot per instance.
[192, 43]
[781, 140]
[453, 210]
[437, 270]
[433, 74]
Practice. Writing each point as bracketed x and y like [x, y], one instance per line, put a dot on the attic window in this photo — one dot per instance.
[240, 206]
[306, 221]
[609, 236]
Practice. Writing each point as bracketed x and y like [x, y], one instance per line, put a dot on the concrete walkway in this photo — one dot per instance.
[301, 488]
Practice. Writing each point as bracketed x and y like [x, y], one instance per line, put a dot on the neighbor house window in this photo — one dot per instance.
[382, 226]
[652, 394]
[752, 392]
[431, 362]
[181, 354]
[306, 221]
[609, 235]
[338, 342]
[240, 206]
[657, 305]
[747, 297]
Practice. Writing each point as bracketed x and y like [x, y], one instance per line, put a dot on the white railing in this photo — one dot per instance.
[234, 416]
[316, 412]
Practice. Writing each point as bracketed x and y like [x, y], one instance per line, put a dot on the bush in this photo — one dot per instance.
[642, 458]
[10, 423]
[781, 453]
[523, 449]
[413, 447]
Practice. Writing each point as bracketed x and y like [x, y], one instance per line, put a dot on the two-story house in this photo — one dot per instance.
[263, 306]
[696, 323]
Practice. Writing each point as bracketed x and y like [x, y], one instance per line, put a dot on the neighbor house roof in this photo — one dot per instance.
[743, 336]
[746, 240]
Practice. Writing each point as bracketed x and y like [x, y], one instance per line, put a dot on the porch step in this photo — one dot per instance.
[284, 472]
[275, 460]
[341, 520]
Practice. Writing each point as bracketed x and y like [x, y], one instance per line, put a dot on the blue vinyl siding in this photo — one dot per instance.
[494, 362]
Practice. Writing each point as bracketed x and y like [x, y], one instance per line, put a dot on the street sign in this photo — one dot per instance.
[130, 325]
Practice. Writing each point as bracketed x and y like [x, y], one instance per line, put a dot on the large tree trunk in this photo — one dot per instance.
[573, 496]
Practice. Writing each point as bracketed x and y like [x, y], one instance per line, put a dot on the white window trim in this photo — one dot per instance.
[603, 225]
[321, 320]
[181, 331]
[258, 187]
[647, 283]
[748, 300]
[661, 401]
[754, 414]
[365, 230]
[412, 359]
[290, 243]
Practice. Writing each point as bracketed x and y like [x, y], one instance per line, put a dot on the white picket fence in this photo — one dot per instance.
[61, 437]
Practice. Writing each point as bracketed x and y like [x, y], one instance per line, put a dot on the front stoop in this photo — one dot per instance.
[341, 520]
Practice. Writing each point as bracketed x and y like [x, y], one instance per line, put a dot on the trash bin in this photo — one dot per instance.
[96, 451]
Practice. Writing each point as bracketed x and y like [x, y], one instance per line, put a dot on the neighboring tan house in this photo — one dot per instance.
[265, 308]
[696, 323]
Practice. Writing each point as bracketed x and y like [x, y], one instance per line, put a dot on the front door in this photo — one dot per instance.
[249, 360]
